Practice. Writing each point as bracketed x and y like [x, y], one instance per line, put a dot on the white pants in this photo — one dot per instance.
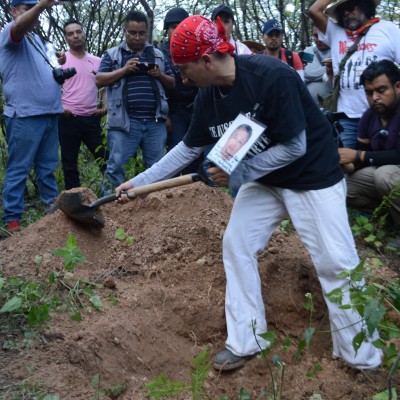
[321, 221]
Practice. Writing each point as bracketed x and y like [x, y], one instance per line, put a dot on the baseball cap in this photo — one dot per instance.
[174, 16]
[222, 10]
[272, 25]
[16, 3]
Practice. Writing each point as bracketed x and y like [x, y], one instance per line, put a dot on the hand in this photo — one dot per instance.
[61, 57]
[67, 113]
[131, 66]
[348, 168]
[347, 156]
[123, 198]
[328, 66]
[100, 112]
[218, 176]
[154, 72]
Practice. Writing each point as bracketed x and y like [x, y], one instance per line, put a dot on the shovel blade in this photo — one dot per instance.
[72, 203]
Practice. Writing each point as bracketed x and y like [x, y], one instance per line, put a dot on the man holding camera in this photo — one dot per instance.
[81, 119]
[33, 101]
[136, 76]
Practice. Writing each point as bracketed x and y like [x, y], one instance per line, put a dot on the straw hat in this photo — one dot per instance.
[330, 11]
[254, 46]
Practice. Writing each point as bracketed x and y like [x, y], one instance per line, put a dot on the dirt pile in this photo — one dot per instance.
[168, 287]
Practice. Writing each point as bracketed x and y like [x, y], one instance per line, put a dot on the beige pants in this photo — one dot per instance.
[367, 186]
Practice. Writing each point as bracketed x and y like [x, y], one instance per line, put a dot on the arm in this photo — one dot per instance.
[166, 80]
[276, 157]
[316, 13]
[27, 21]
[172, 163]
[109, 78]
[102, 110]
[362, 157]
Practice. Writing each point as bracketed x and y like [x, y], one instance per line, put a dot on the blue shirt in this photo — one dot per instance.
[28, 83]
[141, 101]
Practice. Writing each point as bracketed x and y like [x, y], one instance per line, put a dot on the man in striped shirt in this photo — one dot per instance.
[136, 76]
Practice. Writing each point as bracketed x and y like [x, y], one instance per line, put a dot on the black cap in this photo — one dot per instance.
[174, 16]
[222, 10]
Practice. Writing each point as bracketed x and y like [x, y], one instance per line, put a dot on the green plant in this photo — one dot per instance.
[161, 386]
[375, 230]
[30, 389]
[377, 301]
[25, 301]
[71, 253]
[121, 235]
[113, 392]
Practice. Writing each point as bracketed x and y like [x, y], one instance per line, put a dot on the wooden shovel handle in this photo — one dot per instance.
[162, 185]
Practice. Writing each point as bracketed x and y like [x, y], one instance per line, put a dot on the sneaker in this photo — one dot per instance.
[13, 226]
[225, 360]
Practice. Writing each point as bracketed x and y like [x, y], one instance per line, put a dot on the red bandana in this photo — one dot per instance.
[197, 35]
[354, 34]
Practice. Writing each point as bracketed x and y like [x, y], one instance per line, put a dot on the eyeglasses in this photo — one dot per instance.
[137, 34]
[383, 134]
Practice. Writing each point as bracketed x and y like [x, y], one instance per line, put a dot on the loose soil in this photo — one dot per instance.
[169, 288]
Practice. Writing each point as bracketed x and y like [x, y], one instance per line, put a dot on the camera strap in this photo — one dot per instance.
[33, 42]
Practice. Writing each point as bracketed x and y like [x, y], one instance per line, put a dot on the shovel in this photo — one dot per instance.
[73, 204]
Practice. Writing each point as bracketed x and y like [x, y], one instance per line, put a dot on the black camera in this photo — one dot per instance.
[333, 118]
[60, 75]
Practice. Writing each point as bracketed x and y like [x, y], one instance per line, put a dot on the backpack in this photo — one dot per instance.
[289, 57]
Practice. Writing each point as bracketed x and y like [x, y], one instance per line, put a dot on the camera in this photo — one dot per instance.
[333, 118]
[306, 57]
[60, 75]
[144, 67]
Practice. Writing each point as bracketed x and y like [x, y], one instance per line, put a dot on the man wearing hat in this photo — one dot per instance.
[273, 39]
[341, 22]
[33, 101]
[292, 169]
[228, 20]
[180, 98]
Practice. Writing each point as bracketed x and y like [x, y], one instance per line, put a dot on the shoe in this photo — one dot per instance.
[13, 226]
[225, 360]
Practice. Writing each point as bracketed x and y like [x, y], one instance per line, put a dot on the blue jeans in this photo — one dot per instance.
[32, 142]
[350, 133]
[147, 134]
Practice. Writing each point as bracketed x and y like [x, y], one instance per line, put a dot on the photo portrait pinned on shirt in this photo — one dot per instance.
[235, 143]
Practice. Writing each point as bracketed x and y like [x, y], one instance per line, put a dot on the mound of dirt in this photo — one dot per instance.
[168, 287]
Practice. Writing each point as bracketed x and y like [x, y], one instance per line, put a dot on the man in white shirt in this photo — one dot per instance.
[228, 19]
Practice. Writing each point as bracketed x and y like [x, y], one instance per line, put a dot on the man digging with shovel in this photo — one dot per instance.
[292, 169]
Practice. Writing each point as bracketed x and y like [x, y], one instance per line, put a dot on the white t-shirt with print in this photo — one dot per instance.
[382, 42]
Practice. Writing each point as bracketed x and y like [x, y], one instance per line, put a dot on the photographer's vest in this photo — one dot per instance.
[117, 114]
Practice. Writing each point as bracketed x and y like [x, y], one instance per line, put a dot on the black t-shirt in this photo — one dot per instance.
[286, 107]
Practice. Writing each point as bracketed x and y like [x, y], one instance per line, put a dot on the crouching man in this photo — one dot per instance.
[374, 167]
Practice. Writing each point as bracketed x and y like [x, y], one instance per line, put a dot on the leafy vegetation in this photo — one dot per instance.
[27, 303]
[377, 300]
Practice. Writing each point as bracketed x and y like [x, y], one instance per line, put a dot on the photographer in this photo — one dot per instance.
[33, 101]
[136, 76]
